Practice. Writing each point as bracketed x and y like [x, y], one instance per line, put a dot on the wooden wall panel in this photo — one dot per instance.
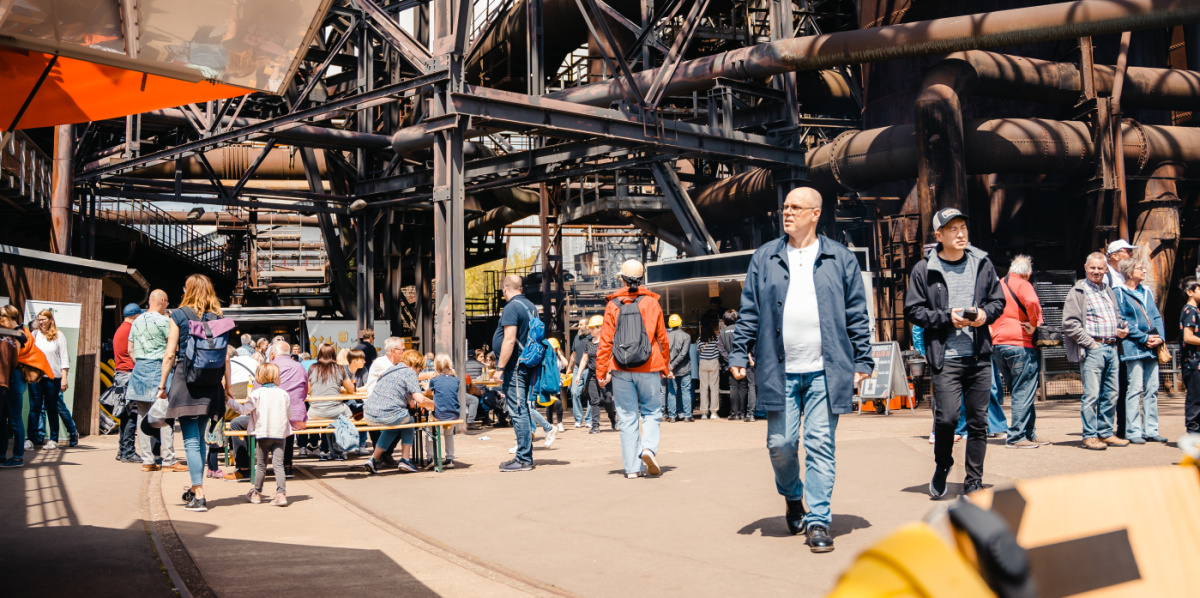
[22, 283]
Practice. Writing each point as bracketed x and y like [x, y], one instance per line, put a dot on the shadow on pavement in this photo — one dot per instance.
[776, 527]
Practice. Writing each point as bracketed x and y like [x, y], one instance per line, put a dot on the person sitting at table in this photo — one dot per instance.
[325, 379]
[443, 389]
[389, 403]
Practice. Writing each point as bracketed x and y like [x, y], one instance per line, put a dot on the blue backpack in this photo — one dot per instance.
[345, 435]
[202, 348]
[533, 351]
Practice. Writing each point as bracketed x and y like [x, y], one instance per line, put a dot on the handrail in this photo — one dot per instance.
[166, 232]
[27, 169]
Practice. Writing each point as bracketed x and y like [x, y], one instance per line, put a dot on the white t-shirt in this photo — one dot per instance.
[378, 367]
[801, 318]
[241, 369]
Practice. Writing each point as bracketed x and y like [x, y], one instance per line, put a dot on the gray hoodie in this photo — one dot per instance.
[681, 344]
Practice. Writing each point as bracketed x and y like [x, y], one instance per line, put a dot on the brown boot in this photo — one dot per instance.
[1094, 444]
[1114, 441]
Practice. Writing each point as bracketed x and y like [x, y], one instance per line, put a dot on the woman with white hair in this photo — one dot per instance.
[1014, 355]
[1140, 352]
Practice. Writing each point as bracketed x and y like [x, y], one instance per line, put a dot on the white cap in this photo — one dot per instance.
[1118, 245]
[632, 269]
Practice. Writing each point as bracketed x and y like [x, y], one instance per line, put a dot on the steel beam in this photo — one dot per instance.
[267, 127]
[562, 119]
[698, 239]
[333, 243]
[389, 29]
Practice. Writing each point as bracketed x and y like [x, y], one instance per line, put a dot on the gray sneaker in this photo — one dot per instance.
[515, 465]
[1022, 444]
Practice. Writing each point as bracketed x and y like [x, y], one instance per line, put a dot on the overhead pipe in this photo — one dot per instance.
[907, 40]
[61, 189]
[307, 135]
[231, 163]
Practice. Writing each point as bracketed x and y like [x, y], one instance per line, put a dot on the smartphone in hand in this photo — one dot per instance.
[970, 313]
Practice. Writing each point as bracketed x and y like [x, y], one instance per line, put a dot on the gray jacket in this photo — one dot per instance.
[1075, 338]
[681, 344]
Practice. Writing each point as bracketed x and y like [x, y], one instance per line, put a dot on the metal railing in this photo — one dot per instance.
[167, 232]
[25, 171]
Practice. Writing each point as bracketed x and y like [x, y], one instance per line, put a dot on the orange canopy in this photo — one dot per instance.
[78, 91]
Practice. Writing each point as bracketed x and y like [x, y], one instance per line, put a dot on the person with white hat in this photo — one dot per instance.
[634, 349]
[1117, 251]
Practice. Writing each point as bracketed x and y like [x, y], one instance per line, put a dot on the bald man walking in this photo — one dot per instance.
[804, 314]
[514, 378]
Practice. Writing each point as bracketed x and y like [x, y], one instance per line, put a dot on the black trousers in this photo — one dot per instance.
[1191, 405]
[598, 398]
[970, 379]
[739, 391]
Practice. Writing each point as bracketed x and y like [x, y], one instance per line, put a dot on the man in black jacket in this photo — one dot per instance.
[741, 393]
[954, 294]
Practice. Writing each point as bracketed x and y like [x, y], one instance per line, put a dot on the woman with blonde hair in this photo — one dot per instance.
[193, 405]
[48, 392]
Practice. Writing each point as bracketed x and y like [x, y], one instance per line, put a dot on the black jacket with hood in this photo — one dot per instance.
[927, 302]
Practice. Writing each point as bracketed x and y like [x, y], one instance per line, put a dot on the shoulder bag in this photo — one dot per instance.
[1043, 336]
[1161, 351]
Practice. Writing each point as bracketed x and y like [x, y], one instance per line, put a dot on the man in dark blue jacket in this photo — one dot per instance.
[954, 294]
[804, 315]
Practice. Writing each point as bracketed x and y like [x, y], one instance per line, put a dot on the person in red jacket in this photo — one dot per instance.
[1013, 353]
[637, 364]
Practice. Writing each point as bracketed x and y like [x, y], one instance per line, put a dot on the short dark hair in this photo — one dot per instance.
[730, 317]
[714, 300]
[1188, 285]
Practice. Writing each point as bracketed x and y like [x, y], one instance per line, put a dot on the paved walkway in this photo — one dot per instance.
[710, 526]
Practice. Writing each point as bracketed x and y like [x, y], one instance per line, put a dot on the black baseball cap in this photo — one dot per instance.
[945, 215]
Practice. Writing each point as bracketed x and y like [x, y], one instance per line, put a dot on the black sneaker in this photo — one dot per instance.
[73, 440]
[388, 460]
[515, 465]
[688, 419]
[198, 505]
[972, 486]
[937, 486]
[594, 431]
[13, 463]
[372, 466]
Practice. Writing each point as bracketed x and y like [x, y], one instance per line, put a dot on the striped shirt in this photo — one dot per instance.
[709, 351]
[1101, 319]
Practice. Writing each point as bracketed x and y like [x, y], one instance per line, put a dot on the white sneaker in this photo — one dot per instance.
[931, 439]
[560, 427]
[513, 450]
[303, 453]
[550, 436]
[651, 463]
[50, 446]
[28, 445]
[578, 425]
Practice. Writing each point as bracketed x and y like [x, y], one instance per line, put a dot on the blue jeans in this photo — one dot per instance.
[538, 419]
[1141, 398]
[996, 421]
[515, 384]
[1099, 373]
[806, 402]
[192, 428]
[1019, 365]
[47, 393]
[679, 395]
[638, 397]
[387, 438]
[579, 407]
[12, 407]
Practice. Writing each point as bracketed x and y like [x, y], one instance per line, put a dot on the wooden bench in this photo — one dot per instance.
[324, 426]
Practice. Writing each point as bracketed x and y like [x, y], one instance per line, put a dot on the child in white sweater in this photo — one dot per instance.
[269, 409]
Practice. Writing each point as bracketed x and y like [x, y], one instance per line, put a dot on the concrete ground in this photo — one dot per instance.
[711, 525]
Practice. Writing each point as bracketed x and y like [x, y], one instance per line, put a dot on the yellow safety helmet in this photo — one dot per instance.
[674, 321]
[596, 322]
[553, 342]
[546, 400]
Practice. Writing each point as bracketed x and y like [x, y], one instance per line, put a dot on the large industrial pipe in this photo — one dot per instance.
[61, 187]
[306, 135]
[922, 38]
[232, 161]
[942, 177]
[858, 160]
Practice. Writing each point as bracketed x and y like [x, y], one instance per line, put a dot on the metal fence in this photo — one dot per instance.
[25, 171]
[1060, 379]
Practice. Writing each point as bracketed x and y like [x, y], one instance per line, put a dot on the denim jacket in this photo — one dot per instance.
[1131, 303]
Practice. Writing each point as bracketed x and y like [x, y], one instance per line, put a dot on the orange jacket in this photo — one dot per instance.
[33, 357]
[656, 329]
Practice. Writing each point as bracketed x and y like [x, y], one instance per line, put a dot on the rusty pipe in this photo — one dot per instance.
[857, 160]
[61, 189]
[231, 162]
[307, 135]
[921, 38]
[1157, 229]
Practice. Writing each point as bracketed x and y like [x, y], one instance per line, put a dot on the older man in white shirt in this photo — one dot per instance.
[393, 348]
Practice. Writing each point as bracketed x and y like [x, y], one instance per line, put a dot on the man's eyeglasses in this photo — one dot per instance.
[797, 209]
